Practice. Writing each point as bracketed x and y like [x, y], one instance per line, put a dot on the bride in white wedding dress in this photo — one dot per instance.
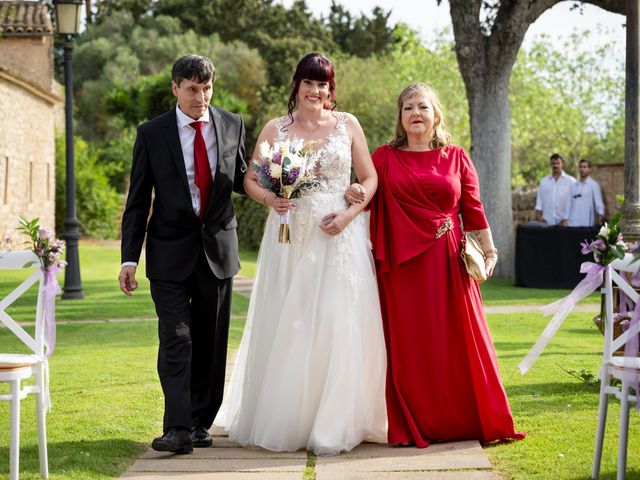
[310, 371]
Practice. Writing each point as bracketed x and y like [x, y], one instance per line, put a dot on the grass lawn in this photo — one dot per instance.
[502, 291]
[558, 411]
[107, 402]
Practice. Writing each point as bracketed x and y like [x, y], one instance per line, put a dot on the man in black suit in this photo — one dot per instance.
[190, 158]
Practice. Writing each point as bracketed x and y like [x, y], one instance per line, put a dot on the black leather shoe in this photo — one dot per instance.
[200, 437]
[176, 440]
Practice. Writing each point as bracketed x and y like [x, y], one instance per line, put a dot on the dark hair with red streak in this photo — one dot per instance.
[313, 66]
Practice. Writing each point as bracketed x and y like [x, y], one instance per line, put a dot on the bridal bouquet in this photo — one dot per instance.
[287, 170]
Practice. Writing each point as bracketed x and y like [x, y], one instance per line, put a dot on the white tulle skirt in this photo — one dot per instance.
[310, 371]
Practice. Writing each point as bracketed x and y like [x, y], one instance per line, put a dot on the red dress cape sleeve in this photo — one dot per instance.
[401, 225]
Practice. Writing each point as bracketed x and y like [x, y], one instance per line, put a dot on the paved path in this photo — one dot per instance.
[227, 461]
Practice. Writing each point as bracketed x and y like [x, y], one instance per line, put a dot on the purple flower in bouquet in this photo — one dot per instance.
[586, 248]
[599, 245]
[43, 243]
[277, 158]
[293, 175]
[45, 233]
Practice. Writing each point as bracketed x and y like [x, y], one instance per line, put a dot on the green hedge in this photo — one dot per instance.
[251, 218]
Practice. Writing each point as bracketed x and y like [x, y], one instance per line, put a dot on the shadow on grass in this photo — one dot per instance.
[85, 459]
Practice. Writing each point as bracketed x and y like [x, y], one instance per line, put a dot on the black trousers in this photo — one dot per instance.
[193, 330]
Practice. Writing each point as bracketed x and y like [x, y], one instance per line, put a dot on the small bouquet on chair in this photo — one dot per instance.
[287, 170]
[48, 249]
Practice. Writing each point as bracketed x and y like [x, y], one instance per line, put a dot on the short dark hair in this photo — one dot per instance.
[555, 156]
[193, 67]
[584, 160]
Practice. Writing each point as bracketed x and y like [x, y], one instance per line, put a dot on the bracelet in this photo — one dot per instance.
[264, 198]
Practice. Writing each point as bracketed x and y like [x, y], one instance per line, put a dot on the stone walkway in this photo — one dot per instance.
[227, 461]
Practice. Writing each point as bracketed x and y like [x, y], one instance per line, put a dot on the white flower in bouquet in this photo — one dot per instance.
[265, 151]
[275, 170]
[604, 231]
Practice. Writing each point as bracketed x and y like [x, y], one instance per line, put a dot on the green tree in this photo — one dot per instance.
[564, 98]
[98, 203]
[362, 36]
[117, 57]
[488, 36]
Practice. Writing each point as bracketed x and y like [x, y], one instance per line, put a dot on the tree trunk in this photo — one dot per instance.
[491, 154]
[486, 51]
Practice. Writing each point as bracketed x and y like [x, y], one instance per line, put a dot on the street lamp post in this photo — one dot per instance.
[68, 24]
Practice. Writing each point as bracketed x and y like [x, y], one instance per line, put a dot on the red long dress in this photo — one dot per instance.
[443, 381]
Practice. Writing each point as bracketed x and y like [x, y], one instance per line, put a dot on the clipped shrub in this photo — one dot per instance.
[251, 219]
[98, 204]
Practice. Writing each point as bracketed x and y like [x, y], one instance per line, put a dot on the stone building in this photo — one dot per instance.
[29, 103]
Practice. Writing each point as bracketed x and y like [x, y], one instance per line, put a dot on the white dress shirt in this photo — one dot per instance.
[553, 198]
[187, 138]
[585, 201]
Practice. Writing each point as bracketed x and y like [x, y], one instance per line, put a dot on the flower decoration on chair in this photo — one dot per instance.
[48, 249]
[43, 243]
[287, 170]
[608, 245]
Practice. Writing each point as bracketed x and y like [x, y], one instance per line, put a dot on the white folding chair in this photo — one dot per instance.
[625, 369]
[14, 368]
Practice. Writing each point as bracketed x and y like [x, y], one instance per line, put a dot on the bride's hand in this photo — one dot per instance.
[356, 193]
[335, 222]
[281, 205]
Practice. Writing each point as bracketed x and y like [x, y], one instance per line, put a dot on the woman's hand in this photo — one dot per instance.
[335, 222]
[490, 263]
[356, 193]
[280, 205]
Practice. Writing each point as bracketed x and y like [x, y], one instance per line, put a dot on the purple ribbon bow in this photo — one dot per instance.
[561, 309]
[51, 289]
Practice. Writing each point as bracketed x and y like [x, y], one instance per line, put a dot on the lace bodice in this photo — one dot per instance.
[333, 167]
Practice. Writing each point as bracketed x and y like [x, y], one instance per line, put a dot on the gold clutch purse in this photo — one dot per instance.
[473, 258]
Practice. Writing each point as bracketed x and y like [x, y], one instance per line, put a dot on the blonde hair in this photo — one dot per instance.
[441, 137]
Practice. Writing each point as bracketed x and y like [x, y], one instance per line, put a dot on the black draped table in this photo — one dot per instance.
[550, 257]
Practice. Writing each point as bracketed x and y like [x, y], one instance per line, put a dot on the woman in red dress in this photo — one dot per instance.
[443, 381]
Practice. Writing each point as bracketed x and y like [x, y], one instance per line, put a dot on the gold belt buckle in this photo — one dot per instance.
[446, 226]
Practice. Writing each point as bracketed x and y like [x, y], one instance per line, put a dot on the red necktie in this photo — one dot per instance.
[202, 178]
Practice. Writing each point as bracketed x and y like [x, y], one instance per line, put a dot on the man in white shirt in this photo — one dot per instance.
[585, 201]
[552, 201]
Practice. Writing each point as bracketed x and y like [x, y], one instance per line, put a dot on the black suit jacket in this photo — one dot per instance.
[174, 232]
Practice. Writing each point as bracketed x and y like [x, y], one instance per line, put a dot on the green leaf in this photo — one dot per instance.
[620, 199]
[618, 251]
[615, 219]
[29, 264]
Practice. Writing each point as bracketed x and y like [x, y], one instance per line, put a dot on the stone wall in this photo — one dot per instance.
[27, 154]
[523, 204]
[30, 58]
[610, 176]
